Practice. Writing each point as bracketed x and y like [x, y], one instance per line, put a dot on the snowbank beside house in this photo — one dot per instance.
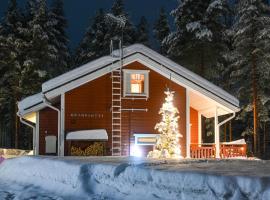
[125, 179]
[11, 153]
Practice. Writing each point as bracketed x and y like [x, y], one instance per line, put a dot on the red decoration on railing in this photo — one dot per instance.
[232, 151]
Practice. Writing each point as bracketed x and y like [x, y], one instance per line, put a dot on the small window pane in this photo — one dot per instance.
[137, 83]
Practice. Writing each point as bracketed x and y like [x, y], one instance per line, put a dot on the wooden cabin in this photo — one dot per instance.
[110, 107]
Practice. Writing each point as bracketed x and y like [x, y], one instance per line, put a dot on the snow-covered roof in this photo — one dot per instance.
[145, 55]
[78, 72]
[97, 134]
[30, 102]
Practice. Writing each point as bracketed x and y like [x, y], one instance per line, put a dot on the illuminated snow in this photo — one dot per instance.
[130, 178]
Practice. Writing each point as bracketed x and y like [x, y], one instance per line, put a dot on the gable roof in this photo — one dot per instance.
[146, 56]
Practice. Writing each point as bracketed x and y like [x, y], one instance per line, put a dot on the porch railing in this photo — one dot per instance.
[202, 151]
[207, 150]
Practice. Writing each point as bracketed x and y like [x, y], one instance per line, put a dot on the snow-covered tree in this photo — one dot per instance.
[129, 32]
[142, 34]
[28, 53]
[162, 30]
[167, 145]
[96, 41]
[59, 38]
[40, 52]
[250, 71]
[198, 35]
[12, 51]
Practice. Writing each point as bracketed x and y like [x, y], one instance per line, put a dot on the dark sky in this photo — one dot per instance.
[80, 12]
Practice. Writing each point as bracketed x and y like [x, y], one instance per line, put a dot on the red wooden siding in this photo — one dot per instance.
[194, 125]
[47, 123]
[144, 122]
[88, 107]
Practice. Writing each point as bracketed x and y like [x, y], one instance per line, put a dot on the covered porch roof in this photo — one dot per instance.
[206, 106]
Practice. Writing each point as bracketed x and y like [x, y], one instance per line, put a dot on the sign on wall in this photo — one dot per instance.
[91, 115]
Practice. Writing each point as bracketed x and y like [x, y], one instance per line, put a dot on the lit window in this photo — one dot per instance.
[136, 82]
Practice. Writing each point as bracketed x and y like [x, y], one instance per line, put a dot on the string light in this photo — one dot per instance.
[167, 145]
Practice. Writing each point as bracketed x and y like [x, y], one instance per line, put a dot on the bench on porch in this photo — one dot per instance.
[207, 150]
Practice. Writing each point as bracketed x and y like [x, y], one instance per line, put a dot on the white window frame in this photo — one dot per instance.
[127, 74]
[145, 135]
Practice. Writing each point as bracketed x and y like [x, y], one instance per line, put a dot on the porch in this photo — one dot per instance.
[209, 133]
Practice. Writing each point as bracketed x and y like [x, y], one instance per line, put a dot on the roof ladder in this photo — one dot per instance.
[116, 76]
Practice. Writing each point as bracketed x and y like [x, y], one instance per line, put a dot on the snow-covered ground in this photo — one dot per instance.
[133, 178]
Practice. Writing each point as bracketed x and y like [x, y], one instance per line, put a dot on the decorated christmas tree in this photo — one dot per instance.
[167, 145]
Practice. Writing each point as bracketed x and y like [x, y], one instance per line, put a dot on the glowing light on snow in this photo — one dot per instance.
[136, 151]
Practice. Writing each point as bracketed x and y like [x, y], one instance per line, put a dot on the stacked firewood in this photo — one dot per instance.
[93, 150]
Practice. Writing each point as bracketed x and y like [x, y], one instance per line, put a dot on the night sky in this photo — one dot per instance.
[80, 12]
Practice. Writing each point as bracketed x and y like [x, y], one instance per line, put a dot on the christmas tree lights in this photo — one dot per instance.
[167, 145]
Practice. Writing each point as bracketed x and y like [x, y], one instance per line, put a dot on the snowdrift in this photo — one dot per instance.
[132, 180]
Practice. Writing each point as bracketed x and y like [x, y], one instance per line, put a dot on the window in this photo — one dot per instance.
[136, 82]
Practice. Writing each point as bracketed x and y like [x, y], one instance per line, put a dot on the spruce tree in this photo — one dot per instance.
[128, 31]
[41, 51]
[29, 52]
[12, 48]
[251, 69]
[36, 34]
[142, 34]
[198, 35]
[96, 41]
[59, 38]
[162, 30]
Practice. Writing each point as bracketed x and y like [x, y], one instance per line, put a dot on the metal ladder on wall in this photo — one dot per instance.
[116, 76]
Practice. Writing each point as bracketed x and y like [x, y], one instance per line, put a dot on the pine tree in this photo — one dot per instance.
[162, 30]
[251, 69]
[199, 34]
[167, 145]
[59, 38]
[142, 34]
